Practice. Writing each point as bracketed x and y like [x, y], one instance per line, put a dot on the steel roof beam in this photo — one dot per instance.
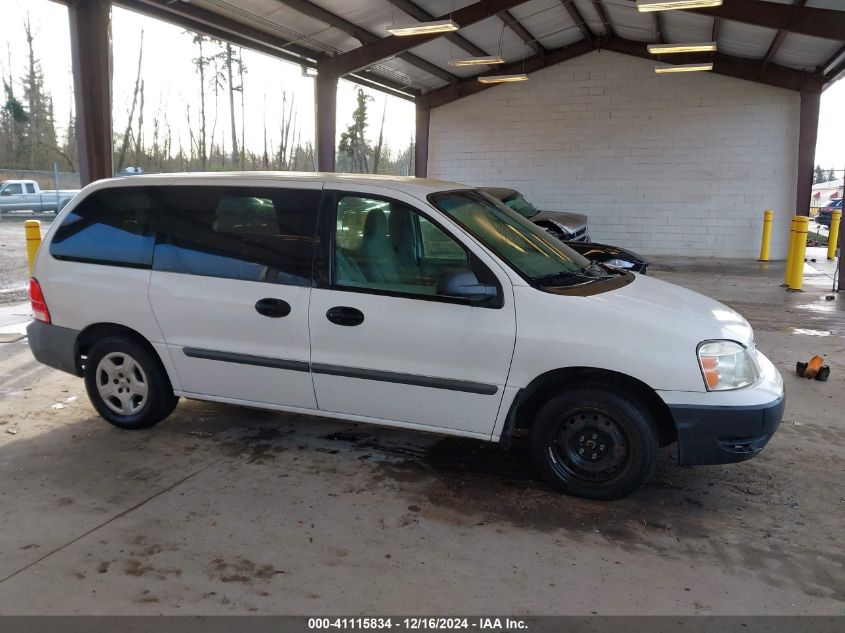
[777, 40]
[418, 13]
[523, 33]
[316, 12]
[826, 23]
[657, 24]
[773, 75]
[837, 60]
[579, 20]
[606, 23]
[471, 85]
[391, 46]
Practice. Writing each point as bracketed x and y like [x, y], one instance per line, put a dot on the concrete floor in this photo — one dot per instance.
[224, 510]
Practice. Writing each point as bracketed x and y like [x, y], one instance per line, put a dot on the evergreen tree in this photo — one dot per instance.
[68, 149]
[39, 131]
[353, 145]
[14, 118]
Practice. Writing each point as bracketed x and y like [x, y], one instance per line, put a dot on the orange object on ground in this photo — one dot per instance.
[813, 367]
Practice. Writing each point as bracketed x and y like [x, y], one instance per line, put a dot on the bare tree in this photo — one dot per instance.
[139, 137]
[377, 150]
[201, 61]
[121, 157]
[265, 158]
[241, 72]
[234, 129]
[33, 145]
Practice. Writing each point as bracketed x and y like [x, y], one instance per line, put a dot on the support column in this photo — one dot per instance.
[841, 282]
[326, 119]
[807, 133]
[89, 50]
[421, 142]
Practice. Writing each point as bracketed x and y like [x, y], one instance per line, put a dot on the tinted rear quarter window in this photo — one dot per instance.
[110, 226]
[248, 233]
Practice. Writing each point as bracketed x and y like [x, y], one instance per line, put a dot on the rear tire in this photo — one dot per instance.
[591, 442]
[127, 385]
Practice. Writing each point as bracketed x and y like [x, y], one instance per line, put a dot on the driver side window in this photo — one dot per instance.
[386, 245]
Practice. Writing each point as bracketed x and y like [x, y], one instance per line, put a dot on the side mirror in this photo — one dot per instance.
[463, 284]
[6, 192]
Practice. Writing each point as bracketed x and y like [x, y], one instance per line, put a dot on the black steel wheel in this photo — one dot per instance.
[593, 442]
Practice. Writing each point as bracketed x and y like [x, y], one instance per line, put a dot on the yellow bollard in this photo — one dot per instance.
[788, 270]
[802, 225]
[33, 241]
[833, 237]
[768, 214]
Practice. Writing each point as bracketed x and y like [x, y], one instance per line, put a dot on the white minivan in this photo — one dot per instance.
[397, 301]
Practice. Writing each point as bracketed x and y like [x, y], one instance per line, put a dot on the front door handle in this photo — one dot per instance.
[344, 315]
[273, 308]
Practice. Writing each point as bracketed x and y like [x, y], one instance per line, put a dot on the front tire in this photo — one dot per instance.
[127, 386]
[591, 442]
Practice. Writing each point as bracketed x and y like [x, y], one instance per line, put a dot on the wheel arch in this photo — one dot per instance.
[529, 400]
[98, 331]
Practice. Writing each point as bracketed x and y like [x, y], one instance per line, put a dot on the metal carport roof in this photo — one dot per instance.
[788, 43]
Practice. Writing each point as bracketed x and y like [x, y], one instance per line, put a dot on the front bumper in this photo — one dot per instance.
[724, 434]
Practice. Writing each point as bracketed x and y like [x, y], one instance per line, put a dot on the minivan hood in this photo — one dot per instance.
[569, 222]
[676, 308]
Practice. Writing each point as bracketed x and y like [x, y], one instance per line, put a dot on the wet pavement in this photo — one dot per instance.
[222, 509]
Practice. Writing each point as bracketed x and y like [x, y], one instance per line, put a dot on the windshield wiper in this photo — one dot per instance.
[553, 278]
[597, 270]
[593, 272]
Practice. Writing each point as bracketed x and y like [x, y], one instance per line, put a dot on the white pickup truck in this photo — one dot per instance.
[25, 195]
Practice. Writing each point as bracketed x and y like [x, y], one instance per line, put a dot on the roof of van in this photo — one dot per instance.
[419, 186]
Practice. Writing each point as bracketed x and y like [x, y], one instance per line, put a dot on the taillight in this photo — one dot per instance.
[36, 298]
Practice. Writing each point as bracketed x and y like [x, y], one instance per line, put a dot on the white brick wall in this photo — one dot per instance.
[674, 164]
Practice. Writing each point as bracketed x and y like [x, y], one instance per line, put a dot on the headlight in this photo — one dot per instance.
[619, 263]
[726, 365]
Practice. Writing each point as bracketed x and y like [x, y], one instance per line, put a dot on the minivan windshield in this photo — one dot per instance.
[529, 249]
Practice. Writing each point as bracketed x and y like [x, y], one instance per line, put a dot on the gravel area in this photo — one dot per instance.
[13, 266]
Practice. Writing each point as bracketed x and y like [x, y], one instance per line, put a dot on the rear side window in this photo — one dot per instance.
[111, 226]
[252, 234]
[30, 188]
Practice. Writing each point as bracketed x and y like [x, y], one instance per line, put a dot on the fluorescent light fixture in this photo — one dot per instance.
[683, 68]
[698, 47]
[424, 28]
[502, 79]
[477, 61]
[669, 5]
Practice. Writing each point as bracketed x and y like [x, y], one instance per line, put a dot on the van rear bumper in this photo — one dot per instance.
[54, 346]
[726, 434]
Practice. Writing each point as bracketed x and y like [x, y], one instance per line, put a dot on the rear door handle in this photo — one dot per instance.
[273, 308]
[344, 315]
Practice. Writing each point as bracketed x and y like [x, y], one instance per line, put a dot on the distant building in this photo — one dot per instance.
[824, 192]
